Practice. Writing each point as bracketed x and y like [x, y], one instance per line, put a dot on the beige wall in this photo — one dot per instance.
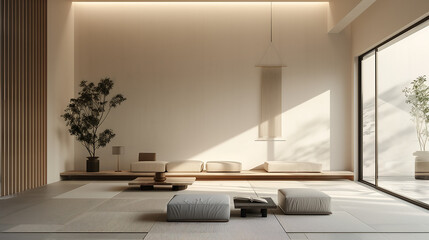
[384, 19]
[188, 71]
[380, 21]
[60, 86]
[338, 9]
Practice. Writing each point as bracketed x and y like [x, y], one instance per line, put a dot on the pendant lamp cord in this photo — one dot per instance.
[271, 22]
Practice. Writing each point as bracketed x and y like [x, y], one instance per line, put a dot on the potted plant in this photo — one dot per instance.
[86, 113]
[417, 95]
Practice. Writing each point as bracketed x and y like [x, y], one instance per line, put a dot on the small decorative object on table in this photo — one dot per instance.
[118, 150]
[246, 203]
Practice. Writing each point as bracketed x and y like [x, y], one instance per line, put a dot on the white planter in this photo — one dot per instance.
[422, 165]
[423, 154]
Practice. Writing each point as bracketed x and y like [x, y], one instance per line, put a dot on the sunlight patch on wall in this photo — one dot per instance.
[308, 131]
[206, 105]
[240, 148]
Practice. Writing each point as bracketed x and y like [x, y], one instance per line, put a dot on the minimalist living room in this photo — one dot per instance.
[214, 120]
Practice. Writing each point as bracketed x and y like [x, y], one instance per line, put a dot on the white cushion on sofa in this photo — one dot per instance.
[281, 166]
[185, 166]
[148, 166]
[223, 166]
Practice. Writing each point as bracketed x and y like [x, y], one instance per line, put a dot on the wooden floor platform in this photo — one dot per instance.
[243, 175]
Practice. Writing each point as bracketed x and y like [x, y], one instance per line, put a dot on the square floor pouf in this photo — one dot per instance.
[304, 201]
[199, 207]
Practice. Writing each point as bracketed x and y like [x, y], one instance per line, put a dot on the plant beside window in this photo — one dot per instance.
[417, 95]
[85, 114]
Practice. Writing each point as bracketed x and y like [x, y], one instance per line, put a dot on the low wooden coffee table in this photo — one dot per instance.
[177, 183]
[244, 205]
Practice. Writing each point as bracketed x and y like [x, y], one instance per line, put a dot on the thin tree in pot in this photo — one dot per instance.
[417, 95]
[86, 113]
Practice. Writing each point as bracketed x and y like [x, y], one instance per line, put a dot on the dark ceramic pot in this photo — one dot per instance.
[92, 164]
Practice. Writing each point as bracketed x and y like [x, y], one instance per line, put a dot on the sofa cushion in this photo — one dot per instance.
[185, 166]
[223, 166]
[148, 166]
[303, 201]
[199, 207]
[281, 166]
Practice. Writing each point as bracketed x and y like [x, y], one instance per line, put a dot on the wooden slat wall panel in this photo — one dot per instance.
[23, 81]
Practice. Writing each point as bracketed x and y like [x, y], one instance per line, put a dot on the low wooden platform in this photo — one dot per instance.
[243, 175]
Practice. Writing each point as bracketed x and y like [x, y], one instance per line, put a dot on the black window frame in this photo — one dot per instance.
[360, 120]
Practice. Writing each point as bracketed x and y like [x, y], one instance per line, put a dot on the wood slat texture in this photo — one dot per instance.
[23, 80]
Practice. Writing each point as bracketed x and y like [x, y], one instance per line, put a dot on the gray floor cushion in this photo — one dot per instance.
[304, 201]
[199, 207]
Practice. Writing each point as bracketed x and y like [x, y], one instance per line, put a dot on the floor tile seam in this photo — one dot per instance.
[157, 218]
[360, 232]
[65, 232]
[85, 211]
[275, 215]
[119, 192]
[281, 225]
[392, 197]
[253, 189]
[56, 197]
[360, 220]
[21, 209]
[4, 231]
[68, 232]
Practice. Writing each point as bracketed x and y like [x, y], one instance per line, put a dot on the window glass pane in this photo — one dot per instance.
[398, 64]
[368, 117]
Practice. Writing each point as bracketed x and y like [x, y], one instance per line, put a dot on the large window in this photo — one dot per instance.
[391, 130]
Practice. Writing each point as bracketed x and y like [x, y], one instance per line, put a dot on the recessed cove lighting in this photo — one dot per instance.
[196, 2]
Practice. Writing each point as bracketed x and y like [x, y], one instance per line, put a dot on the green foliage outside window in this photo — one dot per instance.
[417, 95]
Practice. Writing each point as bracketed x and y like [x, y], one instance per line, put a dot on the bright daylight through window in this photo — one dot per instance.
[394, 115]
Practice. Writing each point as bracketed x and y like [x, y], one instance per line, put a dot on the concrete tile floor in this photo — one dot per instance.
[72, 209]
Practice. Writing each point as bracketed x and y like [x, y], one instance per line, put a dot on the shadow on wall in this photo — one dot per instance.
[207, 105]
[308, 131]
[396, 134]
[307, 134]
